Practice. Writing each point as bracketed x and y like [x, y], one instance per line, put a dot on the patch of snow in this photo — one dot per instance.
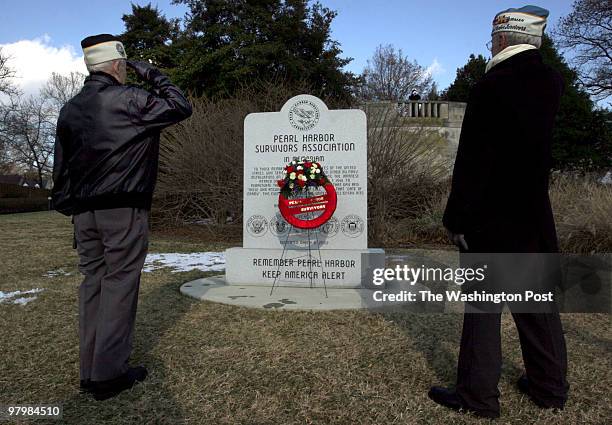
[9, 297]
[203, 221]
[607, 179]
[203, 261]
[58, 272]
[23, 300]
[207, 221]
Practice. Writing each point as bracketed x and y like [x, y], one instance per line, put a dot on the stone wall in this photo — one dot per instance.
[441, 116]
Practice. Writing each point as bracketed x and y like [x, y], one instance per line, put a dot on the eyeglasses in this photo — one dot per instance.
[489, 45]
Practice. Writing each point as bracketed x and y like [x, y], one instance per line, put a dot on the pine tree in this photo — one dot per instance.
[149, 36]
[226, 44]
[467, 77]
[433, 92]
[581, 138]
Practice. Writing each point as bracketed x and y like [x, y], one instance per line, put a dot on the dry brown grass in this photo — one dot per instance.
[583, 213]
[582, 209]
[219, 364]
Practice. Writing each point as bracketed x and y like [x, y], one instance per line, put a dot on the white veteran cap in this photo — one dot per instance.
[102, 48]
[530, 20]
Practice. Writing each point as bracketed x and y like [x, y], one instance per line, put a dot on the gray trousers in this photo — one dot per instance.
[112, 246]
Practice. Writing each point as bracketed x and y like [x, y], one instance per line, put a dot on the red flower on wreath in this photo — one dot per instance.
[301, 175]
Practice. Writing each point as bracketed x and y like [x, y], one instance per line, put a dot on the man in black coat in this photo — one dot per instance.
[105, 168]
[499, 204]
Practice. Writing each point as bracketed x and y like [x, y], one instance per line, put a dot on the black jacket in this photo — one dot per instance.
[499, 196]
[107, 142]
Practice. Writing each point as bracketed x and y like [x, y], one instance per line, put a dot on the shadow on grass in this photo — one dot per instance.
[581, 332]
[159, 310]
[437, 336]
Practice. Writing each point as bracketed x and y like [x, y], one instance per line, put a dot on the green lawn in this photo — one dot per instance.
[212, 363]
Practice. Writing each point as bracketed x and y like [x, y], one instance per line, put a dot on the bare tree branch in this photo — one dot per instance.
[390, 75]
[27, 125]
[7, 74]
[27, 133]
[59, 89]
[587, 32]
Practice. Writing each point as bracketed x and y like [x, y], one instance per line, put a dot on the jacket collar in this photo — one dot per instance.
[507, 53]
[523, 58]
[102, 77]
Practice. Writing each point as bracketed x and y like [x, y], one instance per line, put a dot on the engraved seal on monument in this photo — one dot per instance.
[257, 225]
[304, 115]
[352, 225]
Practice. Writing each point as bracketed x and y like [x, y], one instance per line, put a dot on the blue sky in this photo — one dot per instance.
[439, 34]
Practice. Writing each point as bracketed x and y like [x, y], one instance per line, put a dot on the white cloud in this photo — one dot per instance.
[34, 60]
[435, 68]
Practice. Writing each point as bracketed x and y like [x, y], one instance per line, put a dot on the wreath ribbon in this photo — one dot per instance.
[290, 208]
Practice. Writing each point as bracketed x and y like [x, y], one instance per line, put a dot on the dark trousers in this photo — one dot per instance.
[540, 334]
[480, 358]
[112, 246]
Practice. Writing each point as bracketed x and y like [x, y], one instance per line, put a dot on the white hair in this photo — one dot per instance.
[103, 66]
[514, 38]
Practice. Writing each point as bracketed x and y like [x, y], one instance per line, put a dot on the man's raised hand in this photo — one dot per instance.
[144, 70]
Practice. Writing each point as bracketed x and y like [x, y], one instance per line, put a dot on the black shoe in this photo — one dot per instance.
[103, 390]
[450, 399]
[86, 386]
[523, 386]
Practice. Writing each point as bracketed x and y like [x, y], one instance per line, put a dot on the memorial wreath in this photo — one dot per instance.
[300, 177]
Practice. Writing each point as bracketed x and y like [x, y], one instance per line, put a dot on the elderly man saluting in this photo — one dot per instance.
[105, 167]
[499, 204]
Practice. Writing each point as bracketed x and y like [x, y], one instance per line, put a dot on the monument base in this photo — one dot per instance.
[215, 289]
[335, 268]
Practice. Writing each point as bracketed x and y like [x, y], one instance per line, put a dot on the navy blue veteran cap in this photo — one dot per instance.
[102, 48]
[530, 20]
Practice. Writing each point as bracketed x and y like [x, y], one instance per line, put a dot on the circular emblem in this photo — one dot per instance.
[257, 225]
[278, 226]
[352, 225]
[331, 228]
[304, 115]
[119, 48]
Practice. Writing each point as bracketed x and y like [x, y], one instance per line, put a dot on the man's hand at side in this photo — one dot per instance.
[457, 239]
